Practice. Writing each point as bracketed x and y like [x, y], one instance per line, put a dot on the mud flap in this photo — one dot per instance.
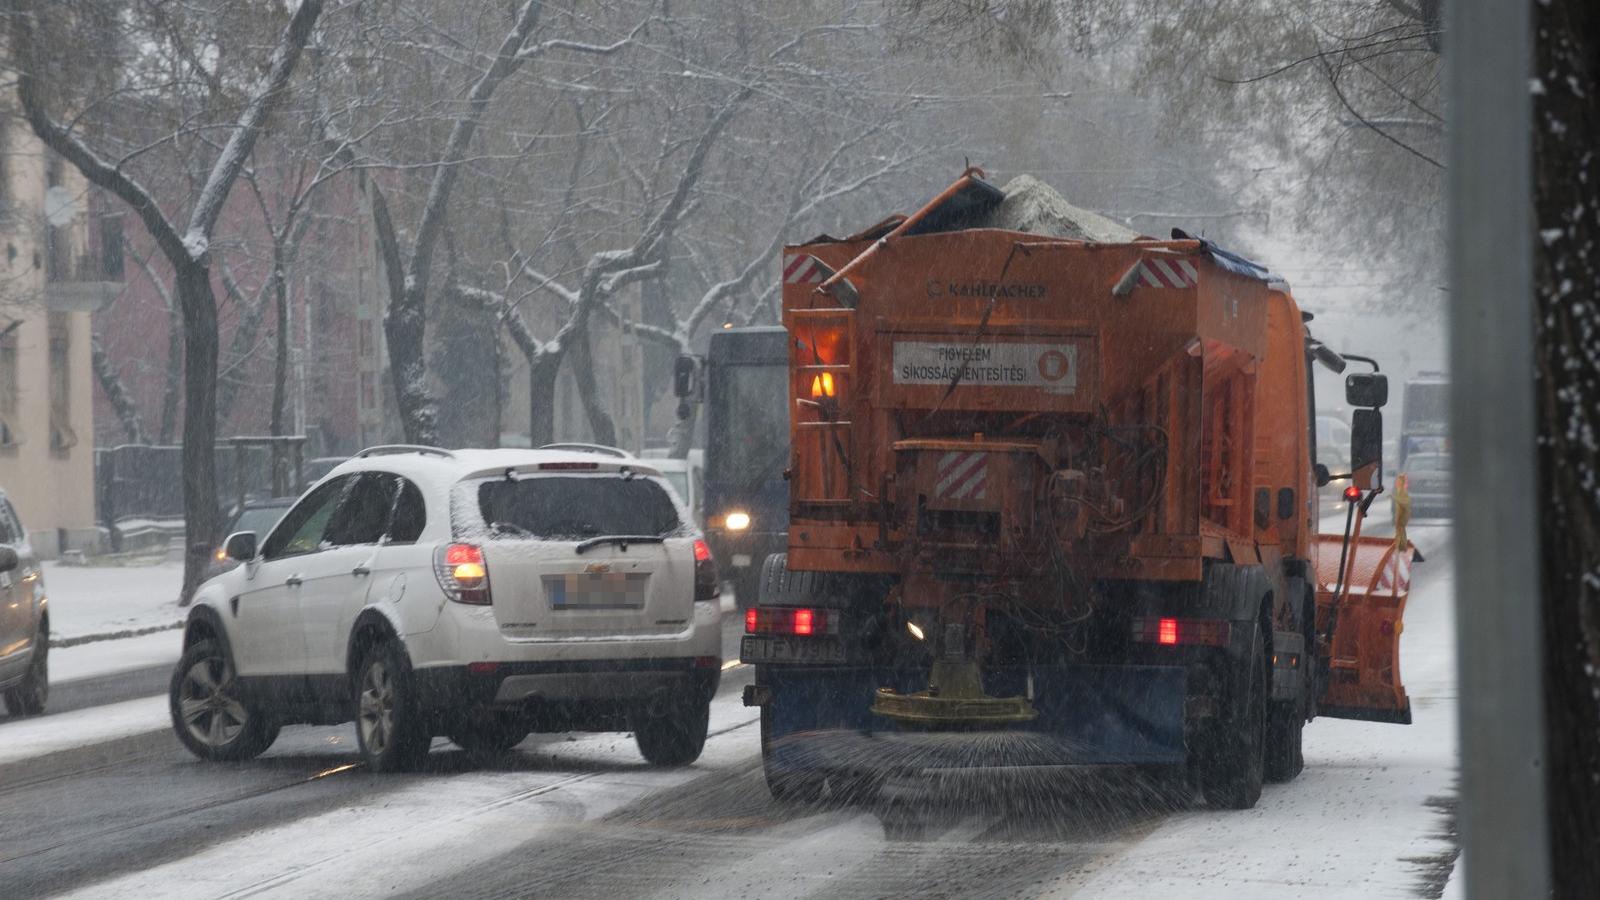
[1360, 666]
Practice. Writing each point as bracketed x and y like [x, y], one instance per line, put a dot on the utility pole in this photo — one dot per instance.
[1503, 820]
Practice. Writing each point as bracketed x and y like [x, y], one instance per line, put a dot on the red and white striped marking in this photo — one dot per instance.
[962, 475]
[805, 269]
[1168, 273]
[1399, 565]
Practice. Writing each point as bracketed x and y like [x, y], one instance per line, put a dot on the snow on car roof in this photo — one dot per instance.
[442, 468]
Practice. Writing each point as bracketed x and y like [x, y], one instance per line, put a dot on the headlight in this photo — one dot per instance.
[737, 521]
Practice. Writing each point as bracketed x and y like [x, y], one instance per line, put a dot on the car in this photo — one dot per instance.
[1428, 481]
[24, 620]
[685, 476]
[477, 594]
[257, 516]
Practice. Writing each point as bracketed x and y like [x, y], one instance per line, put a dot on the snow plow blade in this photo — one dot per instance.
[1362, 660]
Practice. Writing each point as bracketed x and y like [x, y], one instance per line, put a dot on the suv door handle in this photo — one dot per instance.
[361, 570]
[293, 581]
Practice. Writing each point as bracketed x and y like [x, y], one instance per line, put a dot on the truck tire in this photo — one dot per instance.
[1233, 765]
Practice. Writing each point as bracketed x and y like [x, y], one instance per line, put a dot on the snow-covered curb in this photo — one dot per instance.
[22, 739]
[63, 643]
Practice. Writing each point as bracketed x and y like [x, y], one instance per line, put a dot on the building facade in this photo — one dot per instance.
[60, 260]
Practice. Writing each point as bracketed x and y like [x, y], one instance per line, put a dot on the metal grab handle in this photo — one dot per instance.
[361, 570]
[293, 581]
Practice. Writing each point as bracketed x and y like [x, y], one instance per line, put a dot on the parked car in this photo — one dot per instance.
[257, 516]
[24, 620]
[1428, 481]
[314, 469]
[479, 594]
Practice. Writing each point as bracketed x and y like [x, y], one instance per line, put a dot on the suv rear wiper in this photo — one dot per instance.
[622, 540]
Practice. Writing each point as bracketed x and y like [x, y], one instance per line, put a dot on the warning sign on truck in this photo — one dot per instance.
[1049, 367]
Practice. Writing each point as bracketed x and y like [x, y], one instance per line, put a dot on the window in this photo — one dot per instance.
[364, 512]
[410, 515]
[9, 435]
[301, 530]
[10, 530]
[578, 507]
[62, 437]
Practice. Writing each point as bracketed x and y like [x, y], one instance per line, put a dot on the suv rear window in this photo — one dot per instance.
[575, 507]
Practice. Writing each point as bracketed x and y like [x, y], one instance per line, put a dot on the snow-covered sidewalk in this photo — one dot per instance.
[103, 602]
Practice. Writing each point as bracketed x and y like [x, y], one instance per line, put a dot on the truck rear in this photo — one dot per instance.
[1053, 503]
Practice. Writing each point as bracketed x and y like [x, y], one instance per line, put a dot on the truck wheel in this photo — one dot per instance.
[1233, 768]
[210, 717]
[1285, 729]
[676, 736]
[389, 729]
[786, 785]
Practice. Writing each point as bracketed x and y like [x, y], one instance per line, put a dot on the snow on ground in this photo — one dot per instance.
[22, 739]
[98, 658]
[400, 838]
[90, 601]
[1364, 819]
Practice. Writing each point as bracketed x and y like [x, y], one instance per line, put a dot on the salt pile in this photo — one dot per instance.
[1036, 207]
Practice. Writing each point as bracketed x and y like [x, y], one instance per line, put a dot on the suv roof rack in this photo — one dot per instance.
[601, 449]
[396, 449]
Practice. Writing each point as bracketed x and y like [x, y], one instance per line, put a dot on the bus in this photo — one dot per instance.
[1424, 417]
[746, 378]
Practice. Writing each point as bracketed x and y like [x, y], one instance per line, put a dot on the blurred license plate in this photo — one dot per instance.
[608, 590]
[777, 649]
[741, 560]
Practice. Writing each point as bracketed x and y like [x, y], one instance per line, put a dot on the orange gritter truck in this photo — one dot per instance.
[1053, 502]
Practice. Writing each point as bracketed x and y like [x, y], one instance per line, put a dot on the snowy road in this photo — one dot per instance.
[116, 809]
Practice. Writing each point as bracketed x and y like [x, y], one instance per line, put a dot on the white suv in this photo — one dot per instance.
[478, 594]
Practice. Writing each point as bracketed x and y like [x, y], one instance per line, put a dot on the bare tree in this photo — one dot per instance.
[186, 250]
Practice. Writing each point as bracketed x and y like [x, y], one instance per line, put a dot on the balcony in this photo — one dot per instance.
[79, 279]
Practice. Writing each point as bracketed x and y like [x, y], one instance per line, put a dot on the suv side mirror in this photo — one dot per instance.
[683, 376]
[8, 559]
[241, 545]
[1366, 447]
[1369, 390]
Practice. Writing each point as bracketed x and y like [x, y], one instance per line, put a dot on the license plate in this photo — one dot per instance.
[741, 560]
[610, 590]
[774, 649]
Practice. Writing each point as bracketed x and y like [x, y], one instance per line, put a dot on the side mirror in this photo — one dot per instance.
[1366, 447]
[1369, 390]
[8, 559]
[1322, 474]
[683, 376]
[241, 545]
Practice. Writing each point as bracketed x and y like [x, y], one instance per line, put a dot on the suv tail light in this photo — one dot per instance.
[706, 584]
[462, 573]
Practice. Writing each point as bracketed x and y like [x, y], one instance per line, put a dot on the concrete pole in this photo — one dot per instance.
[1503, 811]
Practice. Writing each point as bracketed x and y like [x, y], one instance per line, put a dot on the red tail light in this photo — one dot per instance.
[798, 621]
[463, 573]
[1181, 632]
[707, 586]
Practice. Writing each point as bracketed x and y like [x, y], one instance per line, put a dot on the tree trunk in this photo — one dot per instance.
[280, 377]
[601, 424]
[201, 515]
[542, 399]
[1567, 354]
[111, 384]
[173, 383]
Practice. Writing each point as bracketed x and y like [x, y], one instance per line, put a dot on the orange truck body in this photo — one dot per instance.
[1126, 417]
